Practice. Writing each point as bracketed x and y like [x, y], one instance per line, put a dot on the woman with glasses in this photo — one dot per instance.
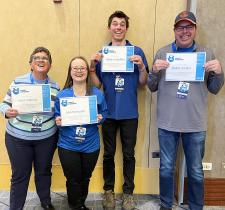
[31, 138]
[78, 143]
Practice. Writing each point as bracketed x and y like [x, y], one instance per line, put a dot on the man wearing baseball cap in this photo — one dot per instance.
[182, 112]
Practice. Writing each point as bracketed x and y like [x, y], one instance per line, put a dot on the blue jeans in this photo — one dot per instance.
[194, 147]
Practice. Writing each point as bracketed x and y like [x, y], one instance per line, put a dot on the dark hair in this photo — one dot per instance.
[69, 79]
[118, 14]
[41, 49]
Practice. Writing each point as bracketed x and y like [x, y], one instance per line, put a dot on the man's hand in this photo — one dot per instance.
[138, 60]
[95, 59]
[213, 65]
[159, 65]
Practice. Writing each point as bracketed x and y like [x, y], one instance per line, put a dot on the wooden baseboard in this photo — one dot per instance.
[214, 191]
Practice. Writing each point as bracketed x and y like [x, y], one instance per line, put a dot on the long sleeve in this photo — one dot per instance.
[215, 82]
[7, 102]
[153, 81]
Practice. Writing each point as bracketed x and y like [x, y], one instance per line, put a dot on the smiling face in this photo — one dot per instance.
[40, 65]
[185, 33]
[78, 71]
[118, 29]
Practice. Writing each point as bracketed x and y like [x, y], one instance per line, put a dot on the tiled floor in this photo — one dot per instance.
[59, 200]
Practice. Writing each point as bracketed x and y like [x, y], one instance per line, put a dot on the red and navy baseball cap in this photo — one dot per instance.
[185, 15]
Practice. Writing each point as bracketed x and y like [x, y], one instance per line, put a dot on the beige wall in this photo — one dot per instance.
[211, 30]
[80, 27]
[24, 26]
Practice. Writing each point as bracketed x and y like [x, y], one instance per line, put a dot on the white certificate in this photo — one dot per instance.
[117, 59]
[185, 66]
[31, 98]
[78, 110]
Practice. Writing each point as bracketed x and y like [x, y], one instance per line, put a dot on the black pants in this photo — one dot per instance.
[22, 154]
[77, 168]
[128, 135]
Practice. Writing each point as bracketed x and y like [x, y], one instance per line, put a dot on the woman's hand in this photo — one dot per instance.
[58, 121]
[99, 116]
[11, 113]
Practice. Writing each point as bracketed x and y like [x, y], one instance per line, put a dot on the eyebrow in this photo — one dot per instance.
[115, 21]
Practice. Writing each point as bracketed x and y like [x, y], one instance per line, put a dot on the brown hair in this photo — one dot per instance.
[41, 49]
[69, 79]
[118, 14]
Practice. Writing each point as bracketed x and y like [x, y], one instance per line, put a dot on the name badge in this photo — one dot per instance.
[119, 84]
[36, 123]
[80, 134]
[183, 89]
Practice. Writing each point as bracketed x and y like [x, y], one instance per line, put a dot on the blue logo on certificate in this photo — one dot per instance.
[64, 103]
[170, 58]
[16, 90]
[106, 50]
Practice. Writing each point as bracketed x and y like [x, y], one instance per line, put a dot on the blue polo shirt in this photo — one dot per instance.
[122, 104]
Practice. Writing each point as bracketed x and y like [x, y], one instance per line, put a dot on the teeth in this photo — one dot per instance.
[185, 37]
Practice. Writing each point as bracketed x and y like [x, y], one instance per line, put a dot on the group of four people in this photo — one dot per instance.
[29, 143]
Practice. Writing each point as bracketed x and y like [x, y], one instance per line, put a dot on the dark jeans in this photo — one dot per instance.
[128, 135]
[22, 154]
[193, 146]
[77, 168]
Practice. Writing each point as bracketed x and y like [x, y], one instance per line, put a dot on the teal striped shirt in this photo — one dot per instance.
[21, 126]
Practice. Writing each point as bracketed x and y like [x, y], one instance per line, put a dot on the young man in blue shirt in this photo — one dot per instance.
[120, 90]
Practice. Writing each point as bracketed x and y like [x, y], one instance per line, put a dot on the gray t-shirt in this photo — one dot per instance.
[183, 115]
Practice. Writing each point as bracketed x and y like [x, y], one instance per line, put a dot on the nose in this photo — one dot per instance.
[118, 26]
[185, 30]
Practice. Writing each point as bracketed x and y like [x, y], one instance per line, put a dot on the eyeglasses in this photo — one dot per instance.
[38, 58]
[76, 68]
[181, 28]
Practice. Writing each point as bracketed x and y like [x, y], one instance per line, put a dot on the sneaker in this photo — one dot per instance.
[108, 201]
[128, 202]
